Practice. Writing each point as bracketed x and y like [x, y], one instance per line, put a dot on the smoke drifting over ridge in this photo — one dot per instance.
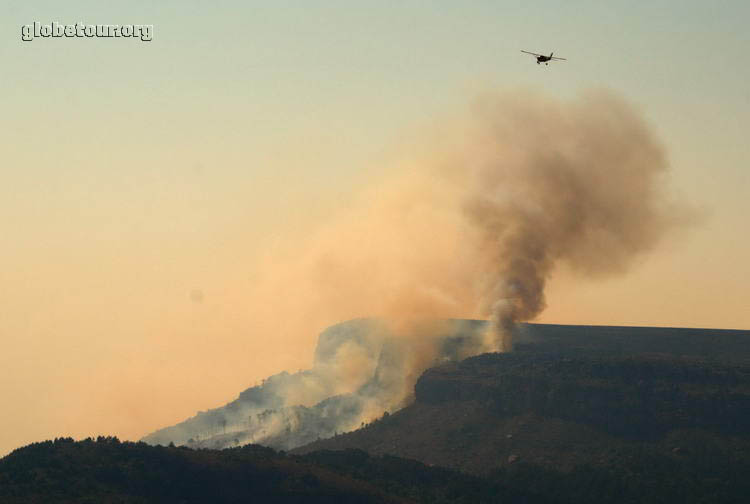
[361, 369]
[473, 229]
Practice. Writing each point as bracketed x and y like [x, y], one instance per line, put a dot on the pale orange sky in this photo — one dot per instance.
[135, 173]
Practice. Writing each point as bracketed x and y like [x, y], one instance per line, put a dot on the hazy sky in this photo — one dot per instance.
[142, 180]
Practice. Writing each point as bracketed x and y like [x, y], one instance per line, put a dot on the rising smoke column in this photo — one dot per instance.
[474, 224]
[579, 183]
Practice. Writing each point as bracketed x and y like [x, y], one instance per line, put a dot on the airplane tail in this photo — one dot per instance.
[550, 54]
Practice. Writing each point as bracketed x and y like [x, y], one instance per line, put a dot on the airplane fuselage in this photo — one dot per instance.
[541, 58]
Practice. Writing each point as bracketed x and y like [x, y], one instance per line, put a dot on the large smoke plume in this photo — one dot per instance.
[579, 183]
[473, 228]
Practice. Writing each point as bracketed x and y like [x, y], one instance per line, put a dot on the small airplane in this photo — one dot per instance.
[541, 58]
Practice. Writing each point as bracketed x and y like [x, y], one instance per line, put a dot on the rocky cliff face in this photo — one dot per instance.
[639, 397]
[565, 398]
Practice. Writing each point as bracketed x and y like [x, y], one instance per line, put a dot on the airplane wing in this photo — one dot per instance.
[561, 59]
[533, 53]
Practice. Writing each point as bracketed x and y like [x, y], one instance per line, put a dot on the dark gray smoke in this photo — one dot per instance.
[579, 183]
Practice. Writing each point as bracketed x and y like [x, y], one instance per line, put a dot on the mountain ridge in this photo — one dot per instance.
[263, 414]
